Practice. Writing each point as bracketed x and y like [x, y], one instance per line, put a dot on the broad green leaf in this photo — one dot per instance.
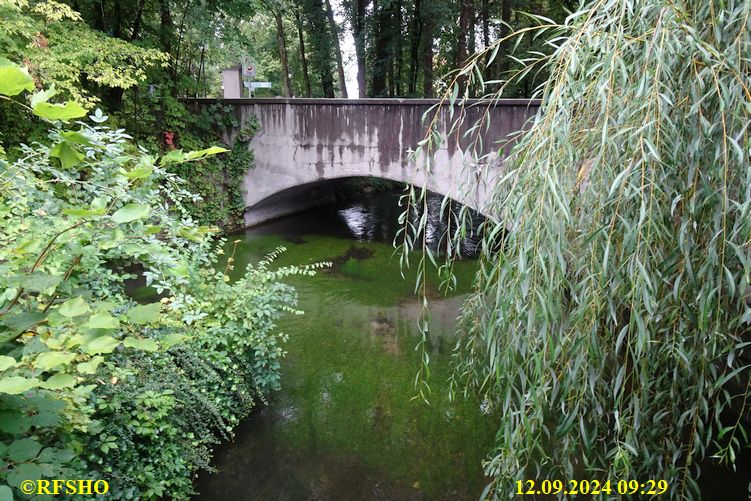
[102, 320]
[74, 307]
[68, 156]
[141, 344]
[6, 494]
[196, 155]
[14, 80]
[14, 422]
[81, 212]
[141, 172]
[112, 238]
[24, 471]
[174, 156]
[63, 112]
[45, 419]
[19, 323]
[91, 366]
[13, 385]
[179, 270]
[173, 339]
[145, 313]
[101, 344]
[51, 359]
[42, 96]
[23, 449]
[130, 212]
[105, 306]
[192, 234]
[40, 282]
[7, 362]
[59, 381]
[75, 137]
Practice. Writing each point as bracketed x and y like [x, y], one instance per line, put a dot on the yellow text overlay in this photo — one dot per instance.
[67, 487]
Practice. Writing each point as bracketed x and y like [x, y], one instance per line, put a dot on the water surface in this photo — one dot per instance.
[345, 424]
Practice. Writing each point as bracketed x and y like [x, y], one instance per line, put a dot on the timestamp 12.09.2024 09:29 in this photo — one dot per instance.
[592, 487]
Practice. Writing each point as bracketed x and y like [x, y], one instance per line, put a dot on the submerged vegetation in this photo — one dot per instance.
[611, 328]
[344, 419]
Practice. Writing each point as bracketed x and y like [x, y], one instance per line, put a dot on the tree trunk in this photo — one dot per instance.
[166, 26]
[337, 49]
[398, 39]
[180, 32]
[99, 16]
[282, 53]
[358, 30]
[117, 28]
[503, 57]
[485, 13]
[426, 49]
[137, 21]
[321, 42]
[201, 69]
[380, 51]
[471, 48]
[414, 47]
[461, 42]
[303, 58]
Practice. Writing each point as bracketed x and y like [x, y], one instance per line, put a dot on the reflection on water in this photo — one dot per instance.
[345, 425]
[359, 221]
[374, 218]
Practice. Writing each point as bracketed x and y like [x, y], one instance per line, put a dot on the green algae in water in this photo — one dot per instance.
[345, 424]
[375, 279]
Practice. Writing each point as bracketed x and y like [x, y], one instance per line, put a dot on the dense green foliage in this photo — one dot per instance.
[58, 47]
[610, 324]
[217, 180]
[403, 48]
[61, 50]
[93, 385]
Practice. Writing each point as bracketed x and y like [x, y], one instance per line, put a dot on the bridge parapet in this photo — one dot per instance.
[303, 141]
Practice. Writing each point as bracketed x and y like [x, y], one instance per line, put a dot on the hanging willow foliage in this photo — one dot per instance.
[609, 328]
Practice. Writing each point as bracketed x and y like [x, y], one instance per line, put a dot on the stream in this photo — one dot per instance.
[345, 424]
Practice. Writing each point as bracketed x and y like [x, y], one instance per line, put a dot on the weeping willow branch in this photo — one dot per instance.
[609, 324]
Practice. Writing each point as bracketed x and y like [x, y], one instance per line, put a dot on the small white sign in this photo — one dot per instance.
[260, 85]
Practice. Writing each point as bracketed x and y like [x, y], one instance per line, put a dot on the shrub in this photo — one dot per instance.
[93, 385]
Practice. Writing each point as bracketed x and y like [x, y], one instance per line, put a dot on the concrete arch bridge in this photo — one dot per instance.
[302, 142]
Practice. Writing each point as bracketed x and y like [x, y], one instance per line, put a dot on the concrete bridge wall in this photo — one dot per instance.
[303, 141]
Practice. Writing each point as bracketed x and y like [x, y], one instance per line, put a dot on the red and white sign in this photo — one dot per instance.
[249, 67]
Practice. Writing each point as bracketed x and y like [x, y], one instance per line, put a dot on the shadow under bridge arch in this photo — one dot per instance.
[362, 208]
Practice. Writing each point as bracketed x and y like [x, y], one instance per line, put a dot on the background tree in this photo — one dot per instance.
[321, 41]
[337, 49]
[281, 40]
